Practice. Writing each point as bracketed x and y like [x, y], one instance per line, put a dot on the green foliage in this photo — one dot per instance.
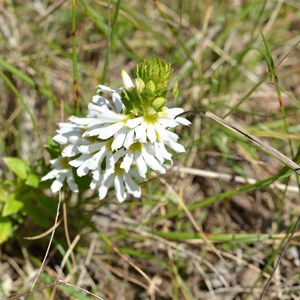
[18, 166]
[5, 229]
[21, 197]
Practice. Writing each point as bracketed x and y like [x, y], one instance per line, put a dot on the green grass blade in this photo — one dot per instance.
[210, 200]
[111, 37]
[74, 58]
[96, 18]
[13, 70]
[26, 108]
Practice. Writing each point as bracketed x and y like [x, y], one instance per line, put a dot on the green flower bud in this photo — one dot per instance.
[148, 89]
[150, 86]
[157, 71]
[159, 103]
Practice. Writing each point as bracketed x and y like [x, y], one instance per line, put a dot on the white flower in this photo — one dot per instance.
[68, 132]
[106, 124]
[103, 102]
[124, 184]
[83, 164]
[143, 155]
[154, 127]
[70, 136]
[93, 156]
[61, 171]
[119, 138]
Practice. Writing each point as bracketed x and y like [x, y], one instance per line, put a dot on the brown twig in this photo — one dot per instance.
[37, 237]
[50, 242]
[67, 233]
[277, 154]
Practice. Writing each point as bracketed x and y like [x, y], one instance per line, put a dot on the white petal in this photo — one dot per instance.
[96, 176]
[127, 82]
[75, 139]
[60, 139]
[91, 132]
[70, 151]
[140, 132]
[110, 163]
[92, 147]
[175, 111]
[131, 186]
[109, 131]
[99, 156]
[104, 115]
[175, 146]
[157, 153]
[163, 151]
[101, 101]
[116, 156]
[71, 183]
[92, 164]
[132, 123]
[119, 139]
[93, 184]
[79, 121]
[117, 102]
[127, 161]
[183, 121]
[120, 188]
[165, 134]
[102, 110]
[152, 162]
[151, 133]
[105, 185]
[56, 186]
[167, 122]
[83, 169]
[107, 89]
[52, 174]
[79, 160]
[129, 140]
[141, 165]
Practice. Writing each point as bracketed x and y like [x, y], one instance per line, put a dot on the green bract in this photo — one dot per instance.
[149, 88]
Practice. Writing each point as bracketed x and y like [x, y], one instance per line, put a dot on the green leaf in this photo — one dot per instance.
[32, 180]
[5, 229]
[18, 166]
[36, 214]
[47, 203]
[11, 206]
[52, 148]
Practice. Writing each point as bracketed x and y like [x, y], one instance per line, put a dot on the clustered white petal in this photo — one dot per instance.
[113, 145]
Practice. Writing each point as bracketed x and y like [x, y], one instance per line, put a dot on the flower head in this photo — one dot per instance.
[123, 135]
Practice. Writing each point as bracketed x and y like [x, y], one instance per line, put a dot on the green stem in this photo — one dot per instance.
[75, 65]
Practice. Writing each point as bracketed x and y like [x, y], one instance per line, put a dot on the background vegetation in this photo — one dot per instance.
[217, 223]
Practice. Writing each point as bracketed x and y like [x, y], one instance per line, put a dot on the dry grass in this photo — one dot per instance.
[214, 226]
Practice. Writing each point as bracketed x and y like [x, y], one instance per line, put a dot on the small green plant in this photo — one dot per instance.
[22, 197]
[122, 135]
